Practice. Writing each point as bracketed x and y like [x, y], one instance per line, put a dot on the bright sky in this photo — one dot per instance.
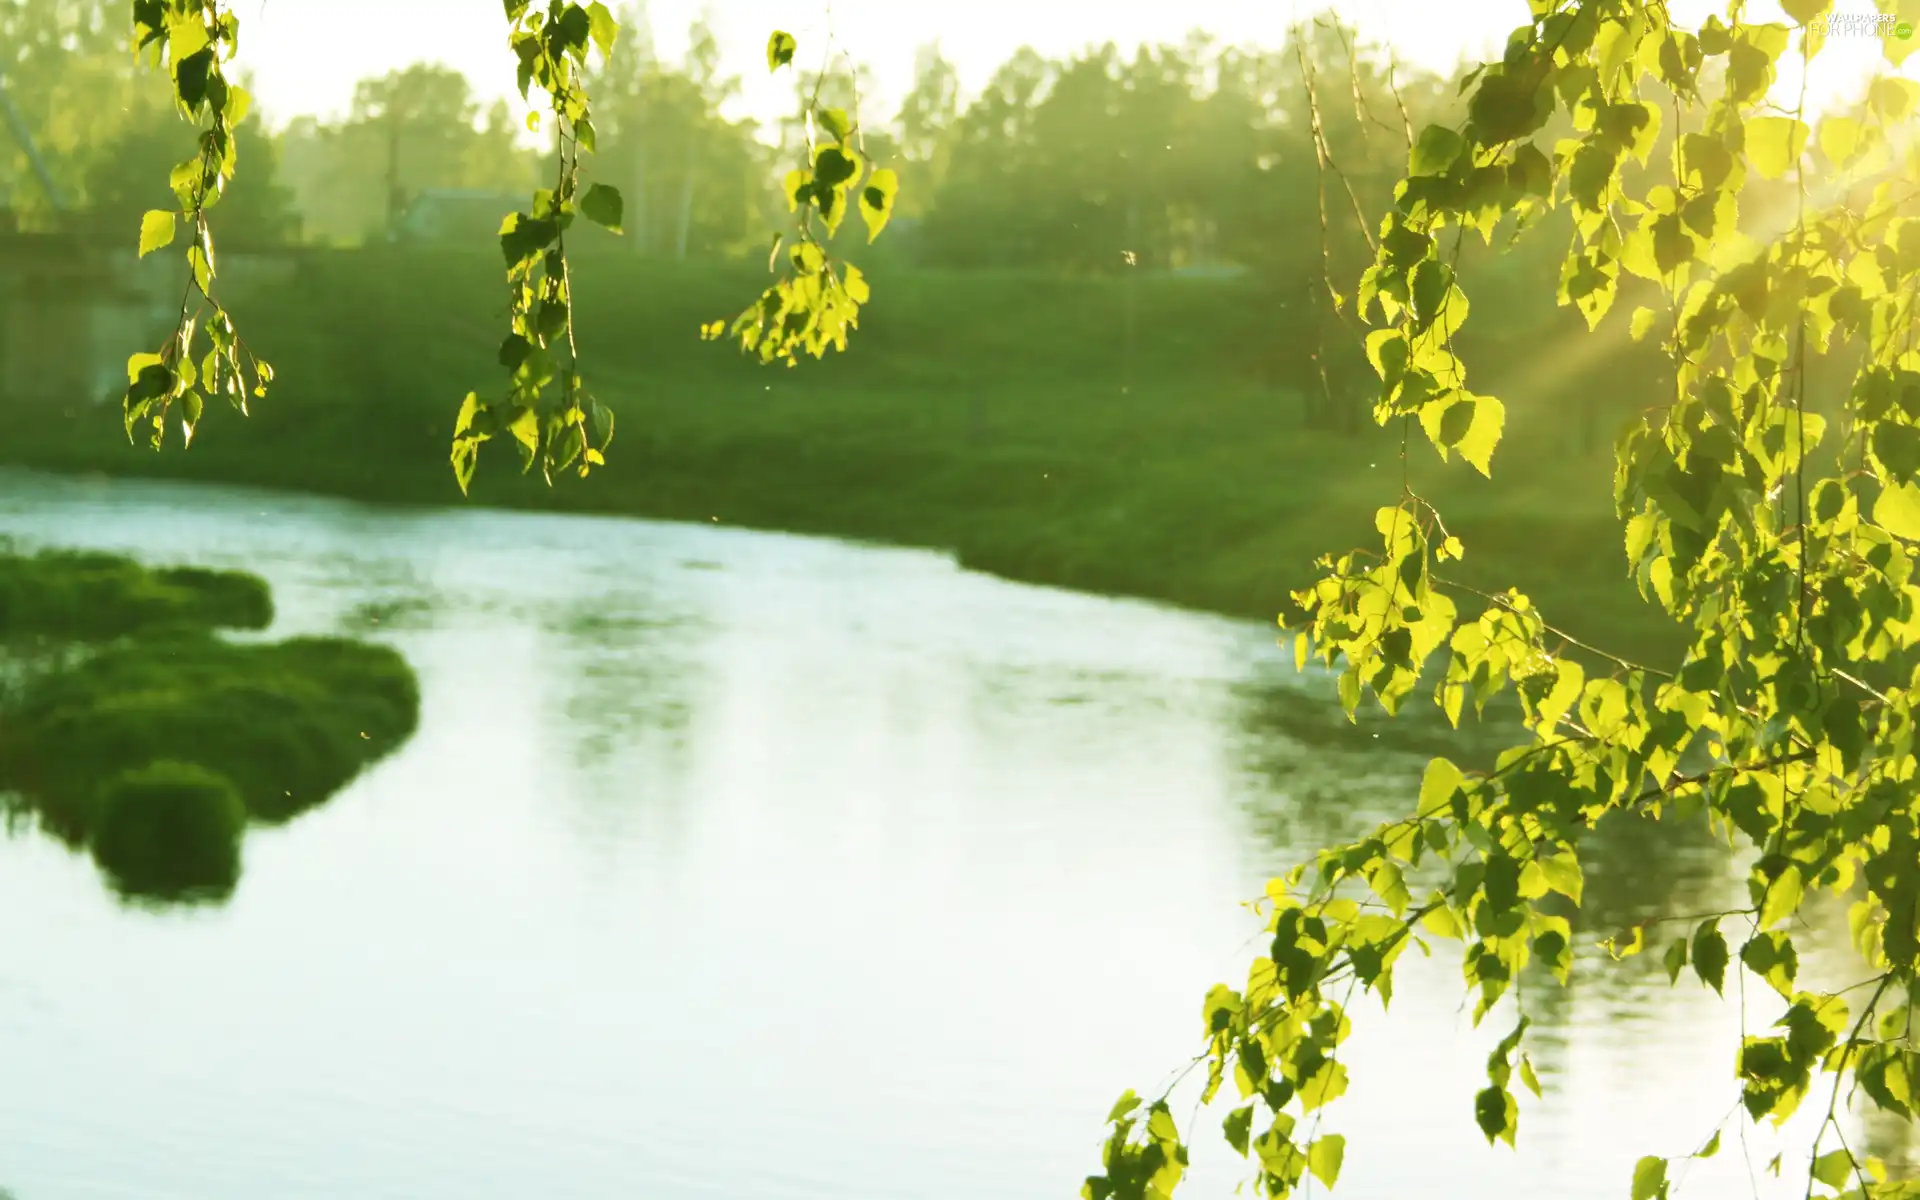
[307, 54]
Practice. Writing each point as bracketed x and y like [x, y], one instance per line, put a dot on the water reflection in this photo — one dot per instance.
[893, 874]
[623, 682]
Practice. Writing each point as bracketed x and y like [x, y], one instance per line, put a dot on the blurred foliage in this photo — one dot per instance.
[290, 723]
[104, 133]
[75, 595]
[697, 184]
[127, 726]
[169, 831]
[1775, 263]
[407, 132]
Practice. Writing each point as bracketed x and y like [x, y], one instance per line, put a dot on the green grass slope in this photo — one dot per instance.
[1071, 432]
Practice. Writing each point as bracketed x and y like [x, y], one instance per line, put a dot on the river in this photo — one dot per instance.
[733, 864]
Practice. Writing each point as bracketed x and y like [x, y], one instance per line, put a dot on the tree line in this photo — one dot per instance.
[1187, 155]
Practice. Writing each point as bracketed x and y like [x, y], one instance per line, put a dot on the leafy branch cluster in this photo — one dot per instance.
[1788, 724]
[1787, 555]
[194, 39]
[816, 301]
[546, 410]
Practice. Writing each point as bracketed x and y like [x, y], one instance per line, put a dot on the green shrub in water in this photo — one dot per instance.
[169, 831]
[289, 724]
[83, 595]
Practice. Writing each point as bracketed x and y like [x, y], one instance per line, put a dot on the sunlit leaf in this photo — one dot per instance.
[1774, 144]
[603, 206]
[156, 231]
[1325, 1156]
[1650, 1179]
[780, 49]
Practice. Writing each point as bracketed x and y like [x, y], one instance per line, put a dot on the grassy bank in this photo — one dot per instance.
[128, 727]
[83, 596]
[289, 723]
[1013, 421]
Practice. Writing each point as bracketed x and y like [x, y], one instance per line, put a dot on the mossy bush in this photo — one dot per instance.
[288, 723]
[89, 596]
[169, 831]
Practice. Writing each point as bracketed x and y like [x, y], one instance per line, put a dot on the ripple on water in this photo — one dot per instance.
[735, 864]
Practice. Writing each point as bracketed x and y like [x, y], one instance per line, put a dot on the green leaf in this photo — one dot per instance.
[1497, 1114]
[780, 48]
[1437, 303]
[1238, 1125]
[1324, 1086]
[1711, 1148]
[1893, 99]
[1160, 1124]
[1437, 787]
[1127, 1102]
[1676, 959]
[1897, 447]
[574, 28]
[523, 237]
[1839, 139]
[1782, 899]
[807, 258]
[469, 410]
[1435, 152]
[1489, 421]
[184, 179]
[1898, 511]
[1833, 1168]
[1507, 106]
[156, 231]
[835, 123]
[140, 364]
[604, 28]
[200, 262]
[1563, 873]
[855, 284]
[1455, 419]
[1774, 144]
[1325, 1156]
[603, 206]
[834, 166]
[525, 428]
[876, 200]
[1650, 1178]
[191, 76]
[1710, 955]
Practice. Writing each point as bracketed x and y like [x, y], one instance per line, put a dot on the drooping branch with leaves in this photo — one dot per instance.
[194, 39]
[1789, 722]
[546, 410]
[553, 419]
[1772, 517]
[816, 301]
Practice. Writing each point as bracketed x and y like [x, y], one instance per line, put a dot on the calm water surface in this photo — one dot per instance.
[730, 864]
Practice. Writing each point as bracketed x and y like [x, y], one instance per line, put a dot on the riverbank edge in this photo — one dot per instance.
[500, 488]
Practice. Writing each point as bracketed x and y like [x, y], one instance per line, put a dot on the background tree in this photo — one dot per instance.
[697, 184]
[1786, 723]
[924, 125]
[127, 176]
[65, 68]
